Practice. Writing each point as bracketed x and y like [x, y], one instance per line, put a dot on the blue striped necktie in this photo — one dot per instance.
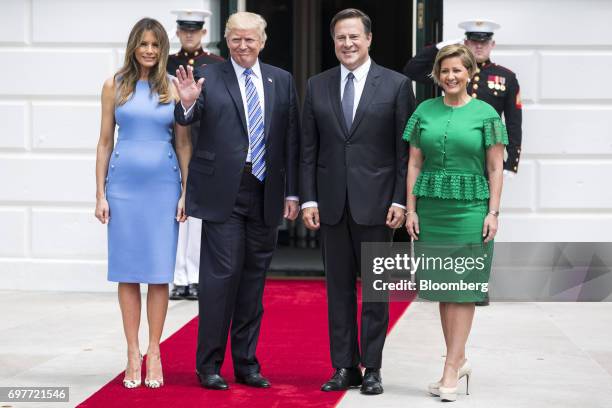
[256, 127]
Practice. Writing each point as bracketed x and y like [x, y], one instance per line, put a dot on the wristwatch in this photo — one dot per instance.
[494, 212]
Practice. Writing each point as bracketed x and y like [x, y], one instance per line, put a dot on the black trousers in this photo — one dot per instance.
[234, 258]
[342, 259]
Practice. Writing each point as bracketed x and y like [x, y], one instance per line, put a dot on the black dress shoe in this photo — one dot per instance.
[213, 382]
[372, 382]
[343, 379]
[253, 380]
[178, 292]
[191, 292]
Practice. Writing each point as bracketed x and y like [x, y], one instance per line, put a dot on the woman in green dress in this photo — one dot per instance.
[456, 143]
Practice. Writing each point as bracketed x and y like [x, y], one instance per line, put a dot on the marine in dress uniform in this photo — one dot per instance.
[191, 20]
[492, 83]
[186, 271]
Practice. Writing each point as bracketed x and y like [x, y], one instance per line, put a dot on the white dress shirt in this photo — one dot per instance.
[361, 74]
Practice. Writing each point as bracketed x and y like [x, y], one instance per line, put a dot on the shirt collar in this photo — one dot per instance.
[360, 72]
[240, 70]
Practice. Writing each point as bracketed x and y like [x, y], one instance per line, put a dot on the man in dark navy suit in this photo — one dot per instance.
[353, 185]
[243, 178]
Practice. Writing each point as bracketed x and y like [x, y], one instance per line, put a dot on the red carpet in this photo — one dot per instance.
[293, 351]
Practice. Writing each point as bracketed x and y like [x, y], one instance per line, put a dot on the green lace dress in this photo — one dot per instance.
[452, 197]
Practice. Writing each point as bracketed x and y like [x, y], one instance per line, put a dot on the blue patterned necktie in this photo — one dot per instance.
[256, 127]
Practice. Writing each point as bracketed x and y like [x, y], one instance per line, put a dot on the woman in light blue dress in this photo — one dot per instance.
[140, 192]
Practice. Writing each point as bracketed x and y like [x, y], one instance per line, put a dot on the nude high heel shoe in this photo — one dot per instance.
[464, 371]
[449, 394]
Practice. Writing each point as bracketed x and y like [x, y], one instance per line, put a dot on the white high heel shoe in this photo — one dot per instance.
[464, 371]
[133, 383]
[154, 383]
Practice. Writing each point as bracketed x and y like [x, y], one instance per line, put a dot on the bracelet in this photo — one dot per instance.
[410, 212]
[494, 213]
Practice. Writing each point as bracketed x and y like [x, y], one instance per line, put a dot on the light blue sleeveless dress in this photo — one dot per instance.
[143, 186]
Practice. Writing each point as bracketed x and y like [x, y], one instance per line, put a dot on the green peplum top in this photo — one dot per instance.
[453, 141]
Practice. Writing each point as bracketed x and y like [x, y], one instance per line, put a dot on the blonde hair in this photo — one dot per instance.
[451, 51]
[243, 20]
[129, 74]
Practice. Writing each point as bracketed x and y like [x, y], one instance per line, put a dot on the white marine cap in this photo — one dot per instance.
[479, 30]
[190, 19]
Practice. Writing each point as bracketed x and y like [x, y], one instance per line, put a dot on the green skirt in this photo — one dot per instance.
[455, 263]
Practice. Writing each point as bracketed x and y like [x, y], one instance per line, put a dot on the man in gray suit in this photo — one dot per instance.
[353, 186]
